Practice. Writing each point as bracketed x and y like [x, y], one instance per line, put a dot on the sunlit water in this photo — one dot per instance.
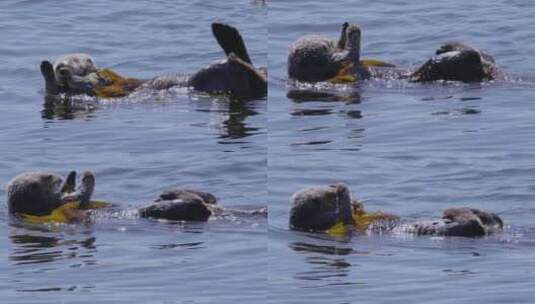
[137, 147]
[409, 149]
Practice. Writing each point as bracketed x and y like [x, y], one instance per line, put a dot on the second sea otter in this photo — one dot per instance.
[45, 197]
[321, 208]
[313, 58]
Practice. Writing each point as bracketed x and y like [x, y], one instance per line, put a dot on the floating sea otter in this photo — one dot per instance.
[330, 208]
[36, 194]
[315, 58]
[76, 74]
[235, 75]
[45, 197]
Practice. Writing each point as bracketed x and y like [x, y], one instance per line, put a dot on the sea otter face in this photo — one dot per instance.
[74, 65]
[76, 74]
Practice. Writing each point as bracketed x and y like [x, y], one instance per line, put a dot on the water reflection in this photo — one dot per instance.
[235, 127]
[63, 107]
[457, 112]
[318, 94]
[323, 249]
[70, 288]
[32, 246]
[355, 114]
[310, 112]
[176, 246]
[327, 263]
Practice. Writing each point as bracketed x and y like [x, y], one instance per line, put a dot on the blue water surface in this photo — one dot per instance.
[409, 149]
[137, 147]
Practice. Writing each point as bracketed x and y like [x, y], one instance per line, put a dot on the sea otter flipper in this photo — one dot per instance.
[83, 192]
[70, 183]
[230, 40]
[342, 41]
[47, 70]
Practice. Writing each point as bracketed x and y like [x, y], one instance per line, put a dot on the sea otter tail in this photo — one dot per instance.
[230, 40]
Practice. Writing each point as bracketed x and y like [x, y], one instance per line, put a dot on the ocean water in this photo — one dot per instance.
[409, 149]
[136, 147]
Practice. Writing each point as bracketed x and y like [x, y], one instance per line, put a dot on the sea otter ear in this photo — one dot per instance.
[230, 40]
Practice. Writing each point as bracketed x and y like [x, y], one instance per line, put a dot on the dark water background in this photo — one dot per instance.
[409, 149]
[137, 147]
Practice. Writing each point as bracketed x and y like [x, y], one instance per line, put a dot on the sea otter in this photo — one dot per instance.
[41, 193]
[322, 207]
[315, 58]
[77, 74]
[181, 205]
[45, 197]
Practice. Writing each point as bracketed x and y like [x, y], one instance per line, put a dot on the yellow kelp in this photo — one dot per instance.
[371, 63]
[347, 75]
[361, 220]
[338, 229]
[120, 86]
[66, 213]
